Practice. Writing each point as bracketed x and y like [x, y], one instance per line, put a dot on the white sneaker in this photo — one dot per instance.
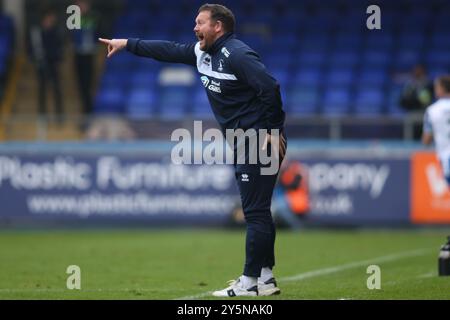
[268, 288]
[236, 289]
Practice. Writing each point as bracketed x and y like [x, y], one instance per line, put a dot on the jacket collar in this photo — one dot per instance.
[219, 42]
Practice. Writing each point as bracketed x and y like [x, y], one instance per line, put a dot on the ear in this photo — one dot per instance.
[218, 26]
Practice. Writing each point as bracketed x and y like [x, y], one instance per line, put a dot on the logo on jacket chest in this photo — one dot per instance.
[207, 61]
[211, 84]
[220, 67]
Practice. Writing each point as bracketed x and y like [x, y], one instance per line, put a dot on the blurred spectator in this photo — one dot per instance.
[85, 47]
[46, 49]
[291, 201]
[6, 48]
[417, 93]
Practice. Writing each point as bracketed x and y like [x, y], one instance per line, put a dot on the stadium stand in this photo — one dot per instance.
[6, 48]
[322, 54]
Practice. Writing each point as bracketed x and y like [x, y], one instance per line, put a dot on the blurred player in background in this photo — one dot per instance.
[417, 94]
[84, 40]
[243, 96]
[45, 46]
[437, 123]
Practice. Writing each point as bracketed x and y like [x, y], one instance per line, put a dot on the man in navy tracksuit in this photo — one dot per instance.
[243, 96]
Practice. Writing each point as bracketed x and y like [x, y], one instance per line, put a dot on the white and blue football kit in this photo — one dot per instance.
[437, 123]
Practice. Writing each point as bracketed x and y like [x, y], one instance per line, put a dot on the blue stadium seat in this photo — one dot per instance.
[121, 61]
[254, 41]
[147, 65]
[5, 43]
[440, 40]
[141, 103]
[288, 41]
[336, 102]
[138, 5]
[339, 77]
[261, 16]
[315, 40]
[393, 104]
[184, 37]
[173, 101]
[110, 100]
[406, 59]
[143, 79]
[441, 58]
[201, 109]
[311, 58]
[375, 40]
[321, 23]
[434, 72]
[6, 24]
[389, 21]
[348, 41]
[278, 60]
[369, 101]
[376, 59]
[311, 45]
[346, 24]
[411, 40]
[441, 21]
[310, 76]
[112, 79]
[286, 22]
[415, 21]
[131, 24]
[302, 100]
[374, 77]
[344, 59]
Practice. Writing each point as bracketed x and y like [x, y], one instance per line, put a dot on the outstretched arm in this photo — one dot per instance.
[165, 51]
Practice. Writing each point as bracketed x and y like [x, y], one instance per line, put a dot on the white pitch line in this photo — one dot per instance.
[321, 272]
[427, 275]
[325, 271]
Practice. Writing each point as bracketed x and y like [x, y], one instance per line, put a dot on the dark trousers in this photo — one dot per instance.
[84, 66]
[48, 73]
[256, 196]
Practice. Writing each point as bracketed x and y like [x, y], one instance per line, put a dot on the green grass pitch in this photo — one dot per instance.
[174, 264]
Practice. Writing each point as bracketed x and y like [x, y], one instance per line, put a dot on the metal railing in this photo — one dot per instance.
[110, 127]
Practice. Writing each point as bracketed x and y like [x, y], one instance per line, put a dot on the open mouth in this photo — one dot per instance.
[200, 37]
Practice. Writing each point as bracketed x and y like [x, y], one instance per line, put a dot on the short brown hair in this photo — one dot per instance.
[444, 82]
[220, 13]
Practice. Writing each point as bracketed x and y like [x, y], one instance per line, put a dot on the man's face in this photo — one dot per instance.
[419, 72]
[49, 21]
[438, 91]
[206, 30]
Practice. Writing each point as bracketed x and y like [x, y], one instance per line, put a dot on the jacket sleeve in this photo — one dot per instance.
[249, 69]
[164, 51]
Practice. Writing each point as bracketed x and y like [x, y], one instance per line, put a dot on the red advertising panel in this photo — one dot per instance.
[430, 195]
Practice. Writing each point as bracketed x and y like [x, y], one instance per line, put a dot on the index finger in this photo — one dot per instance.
[106, 41]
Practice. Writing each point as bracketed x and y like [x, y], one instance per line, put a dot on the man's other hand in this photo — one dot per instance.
[278, 144]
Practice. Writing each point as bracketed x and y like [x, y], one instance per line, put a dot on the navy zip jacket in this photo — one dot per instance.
[240, 90]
